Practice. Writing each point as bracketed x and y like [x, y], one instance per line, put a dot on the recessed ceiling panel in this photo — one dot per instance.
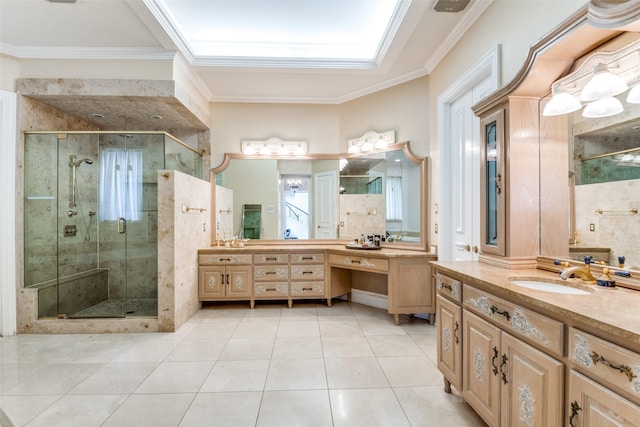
[301, 30]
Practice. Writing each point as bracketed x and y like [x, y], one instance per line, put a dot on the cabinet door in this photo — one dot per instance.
[492, 178]
[532, 386]
[481, 376]
[591, 404]
[238, 281]
[211, 282]
[449, 340]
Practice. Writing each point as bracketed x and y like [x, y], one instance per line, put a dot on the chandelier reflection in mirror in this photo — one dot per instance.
[274, 146]
[598, 82]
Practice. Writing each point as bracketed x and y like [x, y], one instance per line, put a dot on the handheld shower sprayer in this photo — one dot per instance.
[74, 163]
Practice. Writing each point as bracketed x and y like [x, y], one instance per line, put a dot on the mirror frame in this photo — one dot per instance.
[422, 162]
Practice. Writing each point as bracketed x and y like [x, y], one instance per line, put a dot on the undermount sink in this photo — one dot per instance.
[550, 286]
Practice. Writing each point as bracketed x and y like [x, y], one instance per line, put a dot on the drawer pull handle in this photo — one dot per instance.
[575, 408]
[222, 279]
[271, 259]
[224, 260]
[308, 258]
[270, 272]
[598, 358]
[444, 285]
[228, 282]
[455, 332]
[493, 360]
[307, 289]
[307, 272]
[504, 313]
[505, 359]
[355, 261]
[271, 289]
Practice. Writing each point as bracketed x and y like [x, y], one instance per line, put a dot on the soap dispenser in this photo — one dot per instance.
[605, 280]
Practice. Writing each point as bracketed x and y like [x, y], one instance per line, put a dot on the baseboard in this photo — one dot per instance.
[370, 298]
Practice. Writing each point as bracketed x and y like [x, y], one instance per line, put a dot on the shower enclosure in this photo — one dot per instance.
[91, 219]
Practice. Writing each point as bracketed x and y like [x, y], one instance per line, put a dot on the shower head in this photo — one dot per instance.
[75, 163]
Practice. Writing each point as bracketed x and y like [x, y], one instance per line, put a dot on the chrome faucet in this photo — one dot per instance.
[583, 272]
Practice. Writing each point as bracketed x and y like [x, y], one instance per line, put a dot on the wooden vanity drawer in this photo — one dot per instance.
[307, 258]
[271, 259]
[449, 287]
[270, 272]
[611, 365]
[307, 289]
[307, 272]
[540, 329]
[360, 263]
[269, 289]
[215, 259]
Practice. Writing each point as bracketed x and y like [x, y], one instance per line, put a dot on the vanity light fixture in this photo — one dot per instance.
[371, 140]
[274, 147]
[595, 83]
[633, 97]
[603, 84]
[603, 108]
[561, 103]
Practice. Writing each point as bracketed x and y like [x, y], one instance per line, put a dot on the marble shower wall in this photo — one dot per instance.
[180, 234]
[361, 214]
[617, 229]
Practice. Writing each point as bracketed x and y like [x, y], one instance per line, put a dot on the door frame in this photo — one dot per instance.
[487, 67]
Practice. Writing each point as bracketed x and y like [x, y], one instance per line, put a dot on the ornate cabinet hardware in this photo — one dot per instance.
[505, 359]
[575, 408]
[493, 360]
[598, 358]
[504, 313]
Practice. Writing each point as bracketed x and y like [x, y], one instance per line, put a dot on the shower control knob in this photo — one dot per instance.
[71, 213]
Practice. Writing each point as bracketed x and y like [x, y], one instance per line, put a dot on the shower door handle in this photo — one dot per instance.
[122, 225]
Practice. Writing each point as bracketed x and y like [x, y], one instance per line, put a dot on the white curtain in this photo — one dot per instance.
[120, 184]
[393, 198]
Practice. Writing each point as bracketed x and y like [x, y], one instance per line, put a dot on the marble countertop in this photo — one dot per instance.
[614, 313]
[335, 248]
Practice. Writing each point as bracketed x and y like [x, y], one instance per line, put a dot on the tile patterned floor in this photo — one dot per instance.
[312, 365]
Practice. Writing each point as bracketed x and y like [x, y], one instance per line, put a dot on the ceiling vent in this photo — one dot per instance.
[450, 5]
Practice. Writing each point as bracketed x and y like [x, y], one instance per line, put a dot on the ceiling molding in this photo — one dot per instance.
[391, 30]
[45, 52]
[473, 12]
[262, 62]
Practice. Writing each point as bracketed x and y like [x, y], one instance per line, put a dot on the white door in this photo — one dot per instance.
[459, 216]
[325, 185]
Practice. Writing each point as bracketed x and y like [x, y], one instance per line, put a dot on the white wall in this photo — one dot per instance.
[8, 260]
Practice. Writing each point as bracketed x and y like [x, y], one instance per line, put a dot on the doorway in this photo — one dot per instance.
[459, 159]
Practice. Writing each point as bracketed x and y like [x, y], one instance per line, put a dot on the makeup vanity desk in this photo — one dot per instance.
[293, 272]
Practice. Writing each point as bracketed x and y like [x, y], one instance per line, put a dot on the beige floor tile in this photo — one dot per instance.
[157, 410]
[115, 378]
[297, 348]
[346, 347]
[355, 372]
[393, 345]
[366, 407]
[247, 348]
[295, 408]
[176, 377]
[191, 350]
[237, 375]
[302, 374]
[340, 328]
[301, 328]
[410, 371]
[256, 328]
[78, 411]
[237, 409]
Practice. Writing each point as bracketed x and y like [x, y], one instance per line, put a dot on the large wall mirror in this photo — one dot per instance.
[602, 160]
[325, 197]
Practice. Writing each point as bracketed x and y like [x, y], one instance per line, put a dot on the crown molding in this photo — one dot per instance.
[44, 52]
[473, 12]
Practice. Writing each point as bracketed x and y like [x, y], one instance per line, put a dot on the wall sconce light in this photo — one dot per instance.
[274, 147]
[371, 140]
[593, 82]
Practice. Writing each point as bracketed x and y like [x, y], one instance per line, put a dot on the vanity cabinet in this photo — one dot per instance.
[592, 404]
[307, 275]
[604, 386]
[504, 359]
[271, 276]
[224, 277]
